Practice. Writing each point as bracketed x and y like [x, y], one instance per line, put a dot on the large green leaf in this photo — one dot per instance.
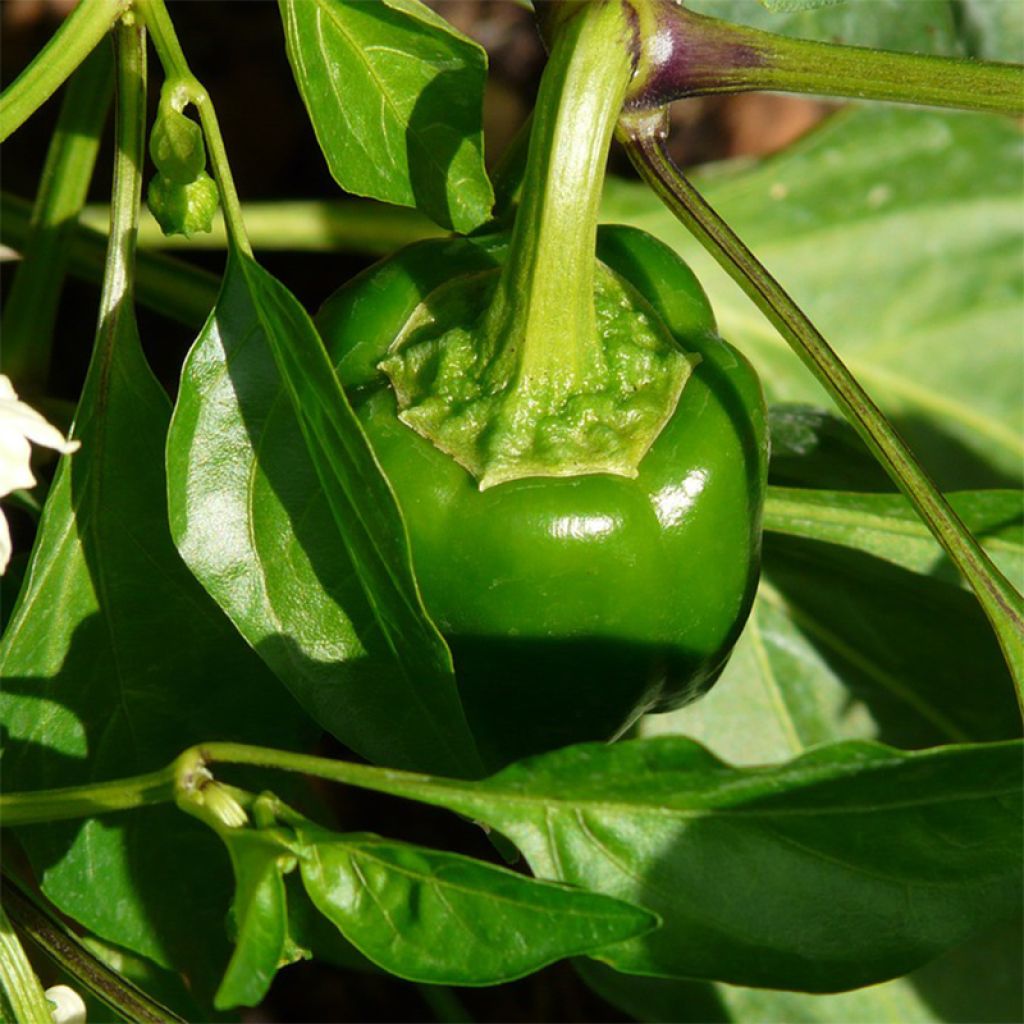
[899, 232]
[851, 864]
[395, 95]
[446, 919]
[113, 662]
[324, 590]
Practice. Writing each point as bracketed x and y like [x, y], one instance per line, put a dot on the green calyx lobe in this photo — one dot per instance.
[553, 365]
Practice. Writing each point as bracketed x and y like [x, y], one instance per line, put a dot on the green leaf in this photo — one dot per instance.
[260, 914]
[324, 590]
[395, 97]
[850, 865]
[113, 662]
[899, 233]
[887, 527]
[921, 26]
[446, 919]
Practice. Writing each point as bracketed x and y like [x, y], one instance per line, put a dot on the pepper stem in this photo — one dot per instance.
[553, 365]
[542, 317]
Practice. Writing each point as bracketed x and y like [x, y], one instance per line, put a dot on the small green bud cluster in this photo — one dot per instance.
[182, 197]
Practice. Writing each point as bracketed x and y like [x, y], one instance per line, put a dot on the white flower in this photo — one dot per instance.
[68, 1006]
[20, 424]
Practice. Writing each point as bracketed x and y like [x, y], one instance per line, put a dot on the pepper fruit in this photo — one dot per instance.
[579, 458]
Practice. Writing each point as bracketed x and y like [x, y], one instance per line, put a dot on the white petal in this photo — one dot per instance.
[68, 1006]
[15, 471]
[19, 424]
[17, 417]
[5, 543]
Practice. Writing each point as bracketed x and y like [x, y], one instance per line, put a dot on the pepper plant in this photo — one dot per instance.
[492, 519]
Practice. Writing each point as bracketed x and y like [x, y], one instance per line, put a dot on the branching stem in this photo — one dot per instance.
[688, 54]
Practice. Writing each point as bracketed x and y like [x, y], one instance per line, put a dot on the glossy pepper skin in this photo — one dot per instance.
[573, 605]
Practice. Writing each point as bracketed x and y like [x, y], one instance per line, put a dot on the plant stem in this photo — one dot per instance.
[299, 225]
[31, 808]
[18, 982]
[116, 296]
[645, 140]
[180, 76]
[81, 30]
[689, 54]
[31, 308]
[63, 947]
[542, 318]
[169, 286]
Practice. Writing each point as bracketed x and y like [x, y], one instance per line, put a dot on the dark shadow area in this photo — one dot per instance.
[813, 447]
[527, 695]
[919, 653]
[981, 981]
[441, 120]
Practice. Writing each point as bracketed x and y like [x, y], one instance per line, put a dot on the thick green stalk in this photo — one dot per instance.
[31, 808]
[81, 30]
[688, 54]
[644, 136]
[543, 320]
[20, 987]
[31, 308]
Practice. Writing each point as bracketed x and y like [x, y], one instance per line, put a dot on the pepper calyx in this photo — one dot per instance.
[465, 397]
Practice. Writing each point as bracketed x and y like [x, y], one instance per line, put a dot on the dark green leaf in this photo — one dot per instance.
[260, 914]
[113, 662]
[887, 527]
[323, 589]
[446, 919]
[395, 96]
[850, 865]
[899, 233]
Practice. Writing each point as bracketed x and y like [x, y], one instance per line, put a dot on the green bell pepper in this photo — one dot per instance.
[572, 605]
[579, 458]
